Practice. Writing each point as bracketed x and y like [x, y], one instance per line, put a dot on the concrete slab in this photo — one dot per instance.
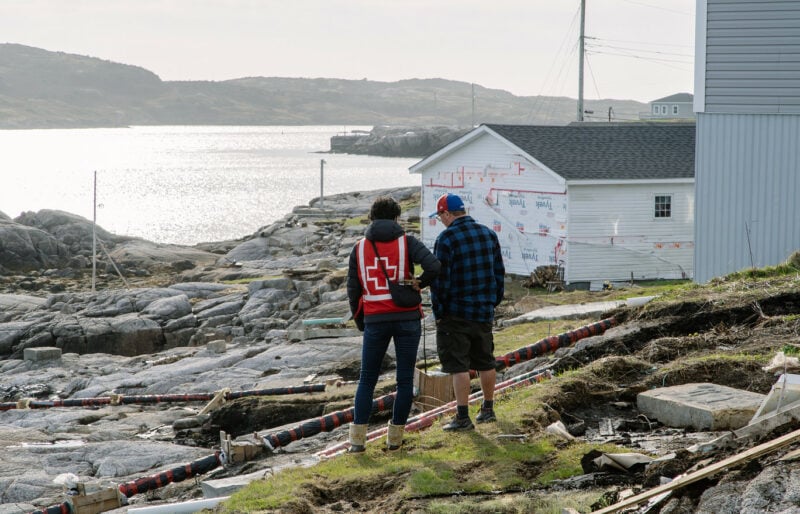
[700, 406]
[583, 310]
[319, 333]
[575, 311]
[42, 353]
[227, 486]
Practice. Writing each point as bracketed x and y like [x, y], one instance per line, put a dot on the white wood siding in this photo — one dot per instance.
[748, 186]
[522, 201]
[613, 232]
[752, 56]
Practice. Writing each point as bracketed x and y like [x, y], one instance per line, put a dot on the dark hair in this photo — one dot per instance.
[384, 208]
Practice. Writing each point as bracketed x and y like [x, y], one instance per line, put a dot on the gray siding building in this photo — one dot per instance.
[678, 106]
[747, 102]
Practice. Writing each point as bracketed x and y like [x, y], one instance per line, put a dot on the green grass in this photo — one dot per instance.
[434, 464]
[515, 291]
[525, 334]
[351, 222]
[546, 503]
[453, 470]
[786, 268]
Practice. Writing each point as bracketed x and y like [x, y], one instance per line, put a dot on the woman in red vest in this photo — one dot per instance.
[386, 253]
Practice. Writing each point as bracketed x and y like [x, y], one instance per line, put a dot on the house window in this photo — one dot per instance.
[663, 109]
[663, 206]
[655, 109]
[674, 109]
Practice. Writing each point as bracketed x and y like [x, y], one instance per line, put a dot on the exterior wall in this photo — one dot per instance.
[747, 192]
[750, 56]
[685, 111]
[614, 234]
[524, 203]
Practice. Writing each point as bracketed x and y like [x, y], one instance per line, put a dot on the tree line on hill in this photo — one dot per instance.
[44, 89]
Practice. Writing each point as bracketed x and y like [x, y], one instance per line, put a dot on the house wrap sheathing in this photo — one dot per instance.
[604, 202]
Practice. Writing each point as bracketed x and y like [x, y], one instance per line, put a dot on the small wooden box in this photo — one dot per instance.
[433, 389]
[95, 502]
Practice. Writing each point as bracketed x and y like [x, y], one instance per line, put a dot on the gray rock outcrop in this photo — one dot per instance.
[50, 239]
[397, 141]
[152, 340]
[23, 248]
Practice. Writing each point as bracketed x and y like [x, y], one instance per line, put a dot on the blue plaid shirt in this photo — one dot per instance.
[470, 284]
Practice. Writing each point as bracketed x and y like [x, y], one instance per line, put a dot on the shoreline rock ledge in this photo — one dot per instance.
[396, 141]
[186, 320]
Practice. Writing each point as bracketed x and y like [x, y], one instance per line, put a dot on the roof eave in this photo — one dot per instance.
[446, 150]
[610, 182]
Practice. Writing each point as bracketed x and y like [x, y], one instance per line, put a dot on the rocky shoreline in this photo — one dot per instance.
[269, 311]
[397, 141]
[145, 330]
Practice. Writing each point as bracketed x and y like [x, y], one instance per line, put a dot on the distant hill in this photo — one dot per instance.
[43, 89]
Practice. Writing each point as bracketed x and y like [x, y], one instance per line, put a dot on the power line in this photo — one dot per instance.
[538, 103]
[657, 7]
[594, 80]
[644, 58]
[614, 47]
[638, 42]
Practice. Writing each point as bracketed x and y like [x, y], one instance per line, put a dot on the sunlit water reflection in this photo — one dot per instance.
[183, 184]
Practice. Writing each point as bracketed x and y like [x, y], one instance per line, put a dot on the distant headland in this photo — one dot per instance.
[44, 89]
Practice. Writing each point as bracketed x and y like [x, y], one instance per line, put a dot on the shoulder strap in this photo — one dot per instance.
[380, 261]
[408, 258]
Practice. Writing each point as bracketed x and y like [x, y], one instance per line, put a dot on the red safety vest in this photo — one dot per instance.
[375, 291]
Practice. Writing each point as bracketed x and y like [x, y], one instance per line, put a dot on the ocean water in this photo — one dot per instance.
[183, 184]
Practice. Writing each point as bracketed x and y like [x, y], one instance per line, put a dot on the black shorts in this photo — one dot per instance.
[463, 345]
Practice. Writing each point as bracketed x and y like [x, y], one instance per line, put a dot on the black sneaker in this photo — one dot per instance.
[458, 424]
[485, 416]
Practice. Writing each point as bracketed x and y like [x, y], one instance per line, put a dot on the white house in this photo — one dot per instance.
[604, 201]
[747, 99]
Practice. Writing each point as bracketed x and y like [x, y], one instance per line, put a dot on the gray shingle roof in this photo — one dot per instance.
[608, 151]
[677, 98]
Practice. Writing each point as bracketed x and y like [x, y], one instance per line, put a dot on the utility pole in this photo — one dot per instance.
[94, 232]
[321, 182]
[473, 105]
[581, 41]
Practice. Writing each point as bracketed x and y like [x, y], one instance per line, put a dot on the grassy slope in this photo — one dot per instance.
[486, 471]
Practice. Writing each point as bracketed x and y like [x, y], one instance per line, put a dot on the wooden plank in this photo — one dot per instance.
[94, 503]
[216, 401]
[752, 453]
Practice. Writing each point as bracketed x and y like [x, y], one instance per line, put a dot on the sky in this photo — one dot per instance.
[636, 49]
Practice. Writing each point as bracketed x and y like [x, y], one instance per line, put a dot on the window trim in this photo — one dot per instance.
[664, 109]
[656, 109]
[669, 206]
[674, 109]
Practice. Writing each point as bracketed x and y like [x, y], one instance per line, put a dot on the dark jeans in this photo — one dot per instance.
[376, 341]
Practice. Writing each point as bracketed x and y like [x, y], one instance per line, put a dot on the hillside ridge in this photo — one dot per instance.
[46, 89]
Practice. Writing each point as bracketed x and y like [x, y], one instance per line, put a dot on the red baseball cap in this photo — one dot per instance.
[448, 202]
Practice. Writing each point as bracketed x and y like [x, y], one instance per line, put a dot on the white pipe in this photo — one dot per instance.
[180, 508]
[638, 301]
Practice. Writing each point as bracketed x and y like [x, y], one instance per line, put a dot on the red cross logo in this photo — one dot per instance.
[376, 277]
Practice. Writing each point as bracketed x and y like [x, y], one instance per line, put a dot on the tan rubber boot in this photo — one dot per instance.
[394, 437]
[358, 438]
